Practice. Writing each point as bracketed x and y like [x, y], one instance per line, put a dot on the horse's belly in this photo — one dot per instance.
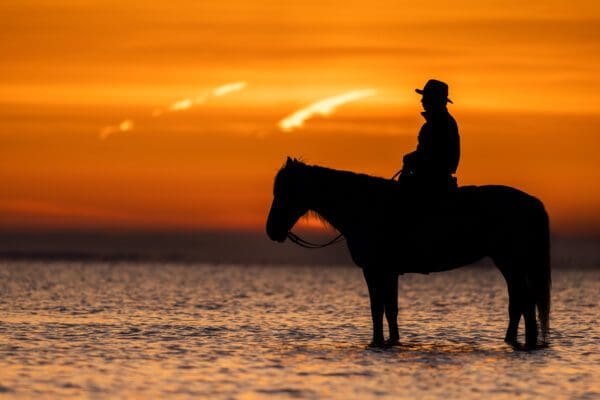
[419, 253]
[425, 264]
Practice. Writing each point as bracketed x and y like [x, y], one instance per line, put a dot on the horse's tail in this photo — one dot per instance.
[542, 282]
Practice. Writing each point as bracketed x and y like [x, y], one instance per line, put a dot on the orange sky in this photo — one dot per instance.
[524, 77]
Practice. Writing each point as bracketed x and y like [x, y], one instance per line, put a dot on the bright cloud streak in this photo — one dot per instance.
[181, 105]
[228, 88]
[323, 107]
[186, 104]
[124, 126]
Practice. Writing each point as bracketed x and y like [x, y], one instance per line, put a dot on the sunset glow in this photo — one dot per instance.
[178, 115]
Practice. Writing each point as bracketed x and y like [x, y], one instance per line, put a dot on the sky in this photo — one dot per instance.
[177, 115]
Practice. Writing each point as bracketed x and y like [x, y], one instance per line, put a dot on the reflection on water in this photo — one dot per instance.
[144, 331]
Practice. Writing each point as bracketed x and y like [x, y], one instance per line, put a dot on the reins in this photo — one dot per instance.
[310, 245]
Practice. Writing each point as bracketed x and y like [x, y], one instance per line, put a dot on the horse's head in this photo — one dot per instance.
[288, 201]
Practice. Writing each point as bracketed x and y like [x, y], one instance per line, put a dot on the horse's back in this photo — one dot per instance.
[426, 234]
[509, 219]
[499, 193]
[500, 203]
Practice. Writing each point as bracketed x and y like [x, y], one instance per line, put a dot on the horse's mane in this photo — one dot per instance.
[359, 181]
[295, 173]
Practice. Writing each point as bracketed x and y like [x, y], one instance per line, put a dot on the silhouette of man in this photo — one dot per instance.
[431, 166]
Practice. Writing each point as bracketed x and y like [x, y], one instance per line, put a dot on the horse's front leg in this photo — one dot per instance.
[391, 308]
[374, 283]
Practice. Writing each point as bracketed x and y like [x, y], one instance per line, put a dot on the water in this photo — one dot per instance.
[100, 330]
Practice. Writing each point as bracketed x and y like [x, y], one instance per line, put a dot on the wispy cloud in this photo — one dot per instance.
[186, 104]
[124, 126]
[323, 107]
[228, 88]
[179, 105]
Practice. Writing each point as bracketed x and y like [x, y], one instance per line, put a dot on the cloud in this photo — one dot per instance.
[185, 104]
[179, 105]
[228, 88]
[124, 126]
[323, 107]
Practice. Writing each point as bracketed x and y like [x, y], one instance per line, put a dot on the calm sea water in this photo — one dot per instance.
[100, 330]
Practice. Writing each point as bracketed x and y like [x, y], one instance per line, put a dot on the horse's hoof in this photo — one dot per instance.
[535, 346]
[514, 344]
[526, 347]
[392, 343]
[376, 345]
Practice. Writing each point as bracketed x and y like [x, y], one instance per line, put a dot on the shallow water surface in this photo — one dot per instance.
[123, 330]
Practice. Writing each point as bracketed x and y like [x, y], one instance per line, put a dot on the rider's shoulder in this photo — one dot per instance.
[452, 122]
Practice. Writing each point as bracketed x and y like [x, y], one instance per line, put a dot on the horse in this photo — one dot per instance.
[391, 230]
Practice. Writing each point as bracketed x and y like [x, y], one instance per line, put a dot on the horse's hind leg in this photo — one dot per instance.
[515, 309]
[520, 302]
[391, 308]
[515, 300]
[531, 331]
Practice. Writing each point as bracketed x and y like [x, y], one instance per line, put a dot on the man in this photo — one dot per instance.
[431, 166]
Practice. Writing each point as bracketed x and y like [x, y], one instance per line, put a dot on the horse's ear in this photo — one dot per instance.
[289, 161]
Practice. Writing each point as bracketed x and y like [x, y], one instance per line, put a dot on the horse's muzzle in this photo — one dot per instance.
[276, 235]
[278, 238]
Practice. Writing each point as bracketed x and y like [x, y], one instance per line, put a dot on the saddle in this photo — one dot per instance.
[434, 185]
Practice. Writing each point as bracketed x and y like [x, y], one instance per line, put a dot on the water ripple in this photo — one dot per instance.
[221, 332]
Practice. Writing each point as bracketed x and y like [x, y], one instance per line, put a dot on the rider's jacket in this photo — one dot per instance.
[438, 150]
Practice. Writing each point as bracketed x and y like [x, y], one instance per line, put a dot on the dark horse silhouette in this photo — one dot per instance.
[390, 231]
